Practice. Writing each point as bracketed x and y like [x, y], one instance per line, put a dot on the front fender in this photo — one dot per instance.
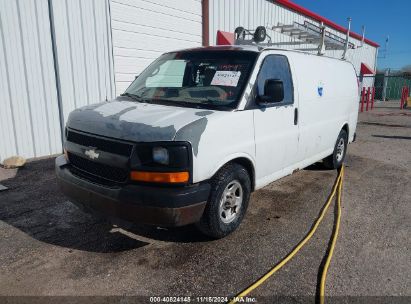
[225, 137]
[230, 158]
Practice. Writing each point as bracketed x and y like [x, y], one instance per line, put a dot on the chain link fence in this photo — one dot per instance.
[391, 84]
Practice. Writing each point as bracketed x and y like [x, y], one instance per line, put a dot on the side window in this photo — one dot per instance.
[276, 67]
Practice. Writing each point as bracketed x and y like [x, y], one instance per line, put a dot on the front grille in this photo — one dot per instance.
[107, 145]
[98, 169]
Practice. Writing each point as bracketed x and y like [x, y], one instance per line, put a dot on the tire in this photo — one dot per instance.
[239, 33]
[260, 34]
[229, 184]
[336, 160]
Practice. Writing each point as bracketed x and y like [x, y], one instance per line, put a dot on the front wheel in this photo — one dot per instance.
[335, 160]
[228, 202]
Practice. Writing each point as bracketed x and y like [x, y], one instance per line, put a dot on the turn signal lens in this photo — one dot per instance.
[65, 153]
[160, 177]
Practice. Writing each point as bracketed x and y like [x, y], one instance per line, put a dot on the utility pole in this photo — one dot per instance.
[384, 88]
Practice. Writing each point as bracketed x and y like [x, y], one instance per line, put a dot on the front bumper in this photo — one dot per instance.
[162, 206]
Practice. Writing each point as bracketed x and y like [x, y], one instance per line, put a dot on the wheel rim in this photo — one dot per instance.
[340, 149]
[231, 201]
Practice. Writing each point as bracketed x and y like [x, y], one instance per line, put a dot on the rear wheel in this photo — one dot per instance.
[335, 160]
[228, 202]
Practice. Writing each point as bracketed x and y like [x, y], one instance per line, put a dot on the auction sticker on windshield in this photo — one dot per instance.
[226, 78]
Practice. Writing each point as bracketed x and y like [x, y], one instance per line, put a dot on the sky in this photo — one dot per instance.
[381, 18]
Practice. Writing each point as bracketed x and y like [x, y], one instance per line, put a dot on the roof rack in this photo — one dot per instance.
[300, 34]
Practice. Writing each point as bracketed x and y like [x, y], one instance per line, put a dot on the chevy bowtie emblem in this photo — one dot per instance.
[92, 154]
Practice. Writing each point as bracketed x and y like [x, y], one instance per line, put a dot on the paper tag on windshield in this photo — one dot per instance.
[226, 78]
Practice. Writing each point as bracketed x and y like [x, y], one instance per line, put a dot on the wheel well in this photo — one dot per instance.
[345, 128]
[248, 165]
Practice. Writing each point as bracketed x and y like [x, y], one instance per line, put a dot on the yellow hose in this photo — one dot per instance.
[277, 267]
[333, 241]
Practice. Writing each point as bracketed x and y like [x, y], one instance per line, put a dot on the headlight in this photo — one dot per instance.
[160, 155]
[162, 162]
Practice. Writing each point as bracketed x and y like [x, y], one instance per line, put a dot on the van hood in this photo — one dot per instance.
[126, 119]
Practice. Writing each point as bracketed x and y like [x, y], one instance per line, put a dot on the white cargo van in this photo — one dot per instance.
[200, 129]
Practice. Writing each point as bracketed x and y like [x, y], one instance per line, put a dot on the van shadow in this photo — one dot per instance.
[34, 205]
[318, 166]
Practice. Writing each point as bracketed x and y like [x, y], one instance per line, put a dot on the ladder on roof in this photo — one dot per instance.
[300, 34]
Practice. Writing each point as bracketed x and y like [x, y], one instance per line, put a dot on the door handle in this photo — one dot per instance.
[295, 116]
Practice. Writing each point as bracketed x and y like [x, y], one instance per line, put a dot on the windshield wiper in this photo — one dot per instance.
[209, 100]
[135, 97]
[212, 101]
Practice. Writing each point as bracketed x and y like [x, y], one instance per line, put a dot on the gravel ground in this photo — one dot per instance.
[48, 247]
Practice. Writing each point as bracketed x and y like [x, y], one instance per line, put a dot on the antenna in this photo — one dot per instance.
[385, 50]
[386, 45]
[348, 38]
[363, 35]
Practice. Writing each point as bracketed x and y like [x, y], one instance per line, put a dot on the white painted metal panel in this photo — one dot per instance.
[226, 15]
[29, 117]
[29, 107]
[84, 54]
[144, 29]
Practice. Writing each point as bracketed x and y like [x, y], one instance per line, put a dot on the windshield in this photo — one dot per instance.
[210, 79]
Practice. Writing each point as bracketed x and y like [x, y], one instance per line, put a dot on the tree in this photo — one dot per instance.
[406, 70]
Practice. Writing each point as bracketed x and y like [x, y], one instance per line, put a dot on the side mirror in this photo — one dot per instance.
[273, 91]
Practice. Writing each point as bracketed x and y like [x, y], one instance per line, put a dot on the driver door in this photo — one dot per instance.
[276, 124]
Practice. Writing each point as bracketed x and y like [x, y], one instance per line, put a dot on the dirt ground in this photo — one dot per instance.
[49, 247]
